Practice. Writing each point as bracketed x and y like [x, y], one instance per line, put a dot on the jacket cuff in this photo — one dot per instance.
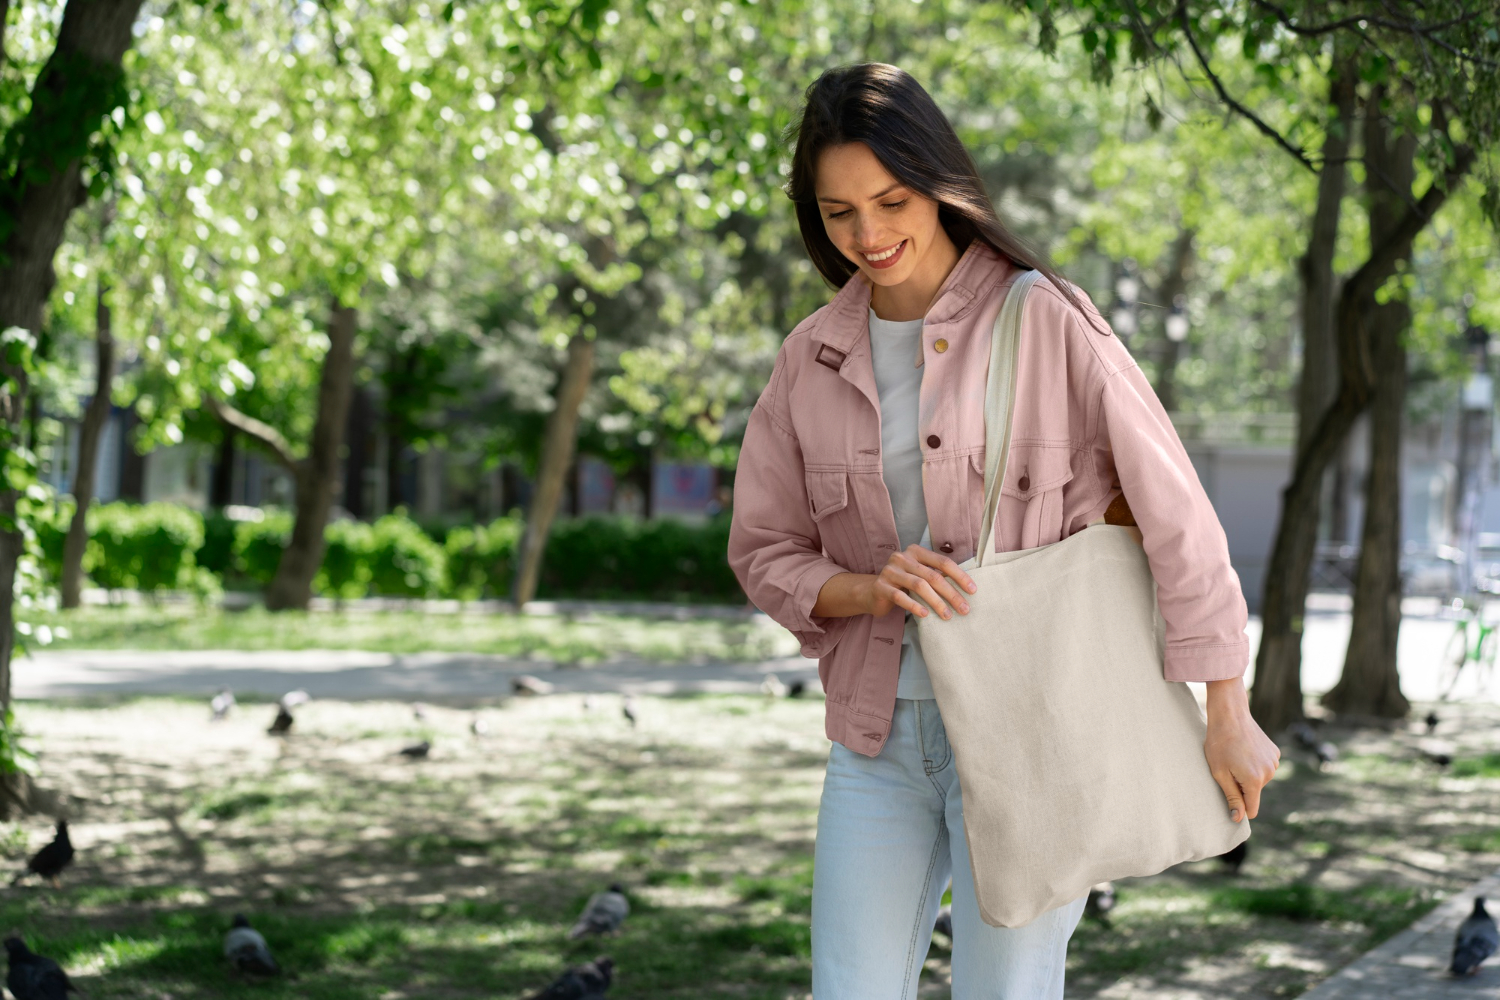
[818, 635]
[1207, 663]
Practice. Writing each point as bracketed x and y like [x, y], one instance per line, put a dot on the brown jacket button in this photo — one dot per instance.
[1024, 484]
[940, 345]
[933, 440]
[946, 547]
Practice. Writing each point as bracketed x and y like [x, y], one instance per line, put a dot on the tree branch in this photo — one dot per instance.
[1187, 31]
[262, 433]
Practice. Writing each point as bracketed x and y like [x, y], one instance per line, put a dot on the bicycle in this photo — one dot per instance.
[1460, 651]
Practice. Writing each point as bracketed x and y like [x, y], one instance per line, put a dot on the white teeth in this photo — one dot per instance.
[885, 254]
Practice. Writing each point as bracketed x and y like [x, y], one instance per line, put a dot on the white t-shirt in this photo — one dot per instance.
[895, 348]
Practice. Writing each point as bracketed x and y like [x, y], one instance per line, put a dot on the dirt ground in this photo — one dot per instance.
[378, 877]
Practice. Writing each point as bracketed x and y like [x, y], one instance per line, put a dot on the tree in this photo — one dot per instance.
[49, 155]
[1440, 61]
[89, 432]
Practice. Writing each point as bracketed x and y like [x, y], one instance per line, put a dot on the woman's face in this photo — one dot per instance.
[877, 222]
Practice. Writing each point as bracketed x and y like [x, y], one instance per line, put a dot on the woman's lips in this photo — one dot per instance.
[889, 261]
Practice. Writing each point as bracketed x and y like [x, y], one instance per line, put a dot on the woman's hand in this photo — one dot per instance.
[908, 575]
[1241, 757]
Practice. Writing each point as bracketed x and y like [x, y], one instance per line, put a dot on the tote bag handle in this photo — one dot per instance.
[999, 403]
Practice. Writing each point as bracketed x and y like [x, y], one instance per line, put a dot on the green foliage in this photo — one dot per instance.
[146, 547]
[1487, 766]
[612, 557]
[345, 573]
[481, 559]
[1382, 910]
[14, 757]
[258, 545]
[404, 561]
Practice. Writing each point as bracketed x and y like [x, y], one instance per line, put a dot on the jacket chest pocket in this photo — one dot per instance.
[1031, 496]
[828, 503]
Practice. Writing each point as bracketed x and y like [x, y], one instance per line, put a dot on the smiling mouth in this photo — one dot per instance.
[887, 254]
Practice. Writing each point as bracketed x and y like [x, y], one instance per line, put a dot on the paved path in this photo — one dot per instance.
[355, 675]
[1413, 965]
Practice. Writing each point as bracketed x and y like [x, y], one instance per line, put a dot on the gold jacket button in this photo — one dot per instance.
[940, 345]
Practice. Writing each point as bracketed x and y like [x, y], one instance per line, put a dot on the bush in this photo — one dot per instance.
[51, 523]
[345, 572]
[403, 560]
[145, 547]
[258, 545]
[481, 559]
[614, 557]
[217, 554]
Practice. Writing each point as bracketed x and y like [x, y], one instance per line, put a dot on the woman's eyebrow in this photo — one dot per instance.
[873, 197]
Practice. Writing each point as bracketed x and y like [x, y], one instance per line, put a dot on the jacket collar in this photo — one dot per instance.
[978, 269]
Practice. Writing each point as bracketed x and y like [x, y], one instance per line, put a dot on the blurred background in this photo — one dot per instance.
[384, 364]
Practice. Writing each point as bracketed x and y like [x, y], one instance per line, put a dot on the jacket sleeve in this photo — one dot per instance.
[1196, 588]
[774, 546]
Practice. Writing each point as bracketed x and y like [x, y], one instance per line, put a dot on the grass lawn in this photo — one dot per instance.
[377, 878]
[568, 638]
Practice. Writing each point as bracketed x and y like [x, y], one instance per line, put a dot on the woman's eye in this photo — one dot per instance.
[838, 215]
[896, 204]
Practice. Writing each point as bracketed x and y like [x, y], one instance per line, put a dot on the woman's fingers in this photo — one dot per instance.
[918, 585]
[1232, 795]
[894, 593]
[944, 565]
[930, 571]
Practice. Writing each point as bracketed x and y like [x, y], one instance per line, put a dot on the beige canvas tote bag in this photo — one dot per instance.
[1077, 761]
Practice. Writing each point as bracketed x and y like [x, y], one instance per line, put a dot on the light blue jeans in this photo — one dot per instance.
[890, 834]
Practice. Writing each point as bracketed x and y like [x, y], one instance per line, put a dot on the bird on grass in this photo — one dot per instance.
[221, 704]
[292, 699]
[627, 709]
[1431, 722]
[588, 981]
[479, 727]
[247, 950]
[1438, 757]
[944, 923]
[419, 711]
[604, 913]
[1304, 734]
[796, 689]
[1476, 940]
[528, 686]
[32, 976]
[1101, 903]
[1234, 858]
[51, 859]
[417, 751]
[282, 724]
[772, 687]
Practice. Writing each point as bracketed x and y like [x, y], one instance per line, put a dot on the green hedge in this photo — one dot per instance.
[163, 546]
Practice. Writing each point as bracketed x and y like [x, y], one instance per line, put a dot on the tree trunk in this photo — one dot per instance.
[557, 456]
[221, 484]
[1174, 283]
[80, 82]
[1370, 685]
[1276, 698]
[317, 474]
[94, 418]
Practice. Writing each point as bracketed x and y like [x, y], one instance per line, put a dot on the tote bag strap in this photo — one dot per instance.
[999, 403]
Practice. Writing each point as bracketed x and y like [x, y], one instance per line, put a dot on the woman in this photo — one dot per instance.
[859, 492]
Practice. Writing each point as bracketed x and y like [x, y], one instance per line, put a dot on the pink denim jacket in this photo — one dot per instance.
[809, 500]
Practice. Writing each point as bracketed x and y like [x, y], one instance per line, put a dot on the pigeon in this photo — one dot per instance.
[247, 951]
[417, 751]
[419, 711]
[1439, 758]
[1476, 940]
[1326, 752]
[221, 704]
[1234, 858]
[1101, 902]
[292, 699]
[796, 689]
[33, 976]
[944, 923]
[1431, 721]
[627, 709]
[604, 914]
[528, 686]
[479, 727]
[282, 724]
[52, 859]
[772, 687]
[588, 981]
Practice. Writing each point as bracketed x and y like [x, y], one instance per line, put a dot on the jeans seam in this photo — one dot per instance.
[916, 931]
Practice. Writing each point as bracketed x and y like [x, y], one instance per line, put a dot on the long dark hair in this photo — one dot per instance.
[885, 108]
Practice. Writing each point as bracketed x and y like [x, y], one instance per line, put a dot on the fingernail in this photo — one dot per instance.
[963, 608]
[1234, 814]
[973, 587]
[947, 615]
